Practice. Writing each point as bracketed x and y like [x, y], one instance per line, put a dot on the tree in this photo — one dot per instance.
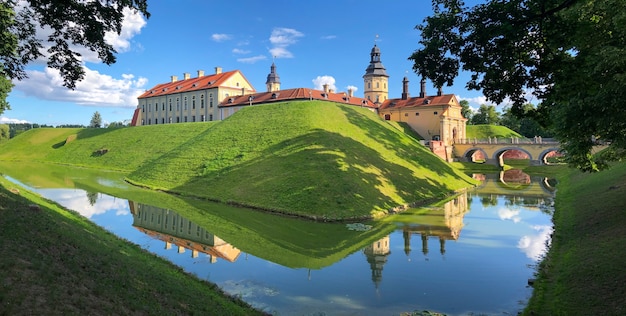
[4, 132]
[486, 114]
[96, 120]
[466, 111]
[570, 54]
[527, 125]
[67, 25]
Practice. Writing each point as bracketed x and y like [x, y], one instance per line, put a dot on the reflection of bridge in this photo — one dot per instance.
[493, 150]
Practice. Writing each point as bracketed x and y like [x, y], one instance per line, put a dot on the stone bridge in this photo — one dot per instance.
[494, 150]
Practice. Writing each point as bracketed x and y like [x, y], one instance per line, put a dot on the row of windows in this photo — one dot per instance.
[369, 85]
[185, 104]
[171, 120]
[418, 114]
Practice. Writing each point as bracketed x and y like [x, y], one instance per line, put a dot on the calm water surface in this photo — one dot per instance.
[472, 254]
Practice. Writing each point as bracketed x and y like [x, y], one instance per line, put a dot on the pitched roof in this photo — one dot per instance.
[432, 100]
[295, 94]
[191, 84]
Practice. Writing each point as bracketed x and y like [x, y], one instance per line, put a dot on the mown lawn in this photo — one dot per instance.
[583, 273]
[56, 262]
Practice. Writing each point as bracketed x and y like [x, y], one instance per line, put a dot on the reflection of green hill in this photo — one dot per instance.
[286, 241]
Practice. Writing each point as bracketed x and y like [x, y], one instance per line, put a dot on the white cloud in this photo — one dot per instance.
[220, 37]
[318, 83]
[240, 51]
[251, 60]
[77, 200]
[509, 214]
[281, 38]
[329, 37]
[6, 120]
[280, 52]
[95, 89]
[535, 246]
[131, 26]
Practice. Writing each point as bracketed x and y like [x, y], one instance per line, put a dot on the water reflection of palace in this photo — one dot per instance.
[174, 229]
[443, 224]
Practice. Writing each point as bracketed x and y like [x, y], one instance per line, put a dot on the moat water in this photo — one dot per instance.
[470, 255]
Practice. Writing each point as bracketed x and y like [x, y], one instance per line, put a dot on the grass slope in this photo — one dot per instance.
[485, 131]
[583, 273]
[56, 262]
[310, 158]
[127, 148]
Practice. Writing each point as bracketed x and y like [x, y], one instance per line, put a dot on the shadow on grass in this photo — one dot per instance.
[323, 175]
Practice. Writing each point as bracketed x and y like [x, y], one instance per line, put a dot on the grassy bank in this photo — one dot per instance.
[56, 262]
[583, 273]
[309, 158]
[313, 159]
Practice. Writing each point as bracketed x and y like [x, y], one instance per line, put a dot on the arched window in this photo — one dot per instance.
[202, 101]
[193, 102]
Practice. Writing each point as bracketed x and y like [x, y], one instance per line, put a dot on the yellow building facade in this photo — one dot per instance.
[190, 99]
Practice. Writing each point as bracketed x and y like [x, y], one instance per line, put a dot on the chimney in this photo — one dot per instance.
[331, 91]
[405, 88]
[218, 70]
[423, 88]
[200, 73]
[350, 92]
[439, 91]
[174, 78]
[186, 75]
[325, 87]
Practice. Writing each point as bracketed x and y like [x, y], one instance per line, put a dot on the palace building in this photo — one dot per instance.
[436, 118]
[191, 99]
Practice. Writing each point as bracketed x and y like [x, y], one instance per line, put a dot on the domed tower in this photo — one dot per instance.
[273, 81]
[376, 79]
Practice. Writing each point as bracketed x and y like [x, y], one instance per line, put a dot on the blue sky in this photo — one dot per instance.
[311, 42]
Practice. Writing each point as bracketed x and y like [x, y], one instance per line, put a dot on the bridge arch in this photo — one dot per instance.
[543, 156]
[469, 154]
[497, 155]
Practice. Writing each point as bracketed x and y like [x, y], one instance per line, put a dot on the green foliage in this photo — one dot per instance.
[486, 114]
[4, 132]
[90, 22]
[571, 55]
[526, 125]
[466, 111]
[96, 120]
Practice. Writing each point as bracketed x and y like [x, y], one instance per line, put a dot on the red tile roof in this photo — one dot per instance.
[295, 94]
[439, 100]
[135, 118]
[191, 84]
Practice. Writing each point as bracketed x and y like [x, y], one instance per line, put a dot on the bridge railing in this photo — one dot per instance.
[508, 140]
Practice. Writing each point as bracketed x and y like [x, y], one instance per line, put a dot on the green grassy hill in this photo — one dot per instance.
[310, 158]
[484, 131]
[126, 148]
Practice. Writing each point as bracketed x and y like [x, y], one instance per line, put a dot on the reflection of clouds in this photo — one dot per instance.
[339, 303]
[535, 246]
[509, 214]
[78, 201]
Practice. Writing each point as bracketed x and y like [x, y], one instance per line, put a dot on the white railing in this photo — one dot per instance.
[508, 140]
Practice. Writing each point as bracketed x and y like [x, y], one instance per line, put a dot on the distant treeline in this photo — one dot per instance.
[15, 129]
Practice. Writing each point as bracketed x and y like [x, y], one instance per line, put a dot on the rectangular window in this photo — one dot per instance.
[210, 117]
